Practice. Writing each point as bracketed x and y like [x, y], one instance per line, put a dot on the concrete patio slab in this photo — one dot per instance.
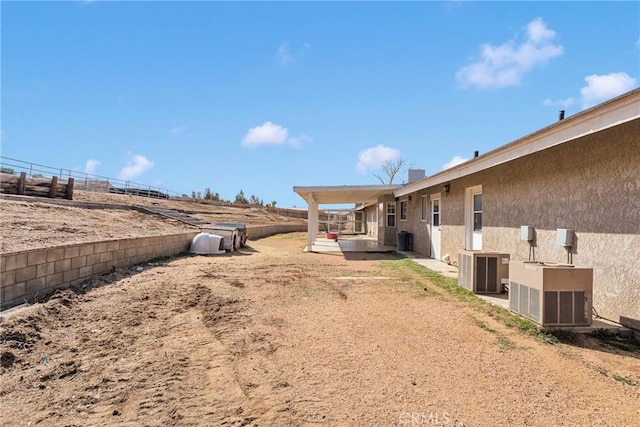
[348, 245]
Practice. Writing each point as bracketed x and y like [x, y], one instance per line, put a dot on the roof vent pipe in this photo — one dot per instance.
[476, 154]
[561, 115]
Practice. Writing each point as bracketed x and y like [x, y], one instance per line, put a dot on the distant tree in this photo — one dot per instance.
[193, 194]
[240, 198]
[4, 169]
[37, 175]
[390, 169]
[273, 204]
[253, 200]
[184, 195]
[207, 194]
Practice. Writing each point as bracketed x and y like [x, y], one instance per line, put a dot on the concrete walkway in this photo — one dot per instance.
[432, 264]
[451, 271]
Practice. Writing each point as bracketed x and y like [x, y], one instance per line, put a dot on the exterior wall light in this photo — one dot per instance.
[446, 188]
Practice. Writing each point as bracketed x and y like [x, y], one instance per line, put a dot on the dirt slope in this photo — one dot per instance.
[37, 224]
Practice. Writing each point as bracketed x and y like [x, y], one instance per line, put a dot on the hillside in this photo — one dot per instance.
[28, 223]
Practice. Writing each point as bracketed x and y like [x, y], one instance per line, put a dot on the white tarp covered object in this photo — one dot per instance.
[207, 244]
[230, 235]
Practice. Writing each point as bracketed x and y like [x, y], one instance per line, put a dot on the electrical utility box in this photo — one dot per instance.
[564, 237]
[526, 232]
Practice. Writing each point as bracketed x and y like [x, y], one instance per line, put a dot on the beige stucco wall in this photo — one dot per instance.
[591, 184]
[414, 224]
[371, 219]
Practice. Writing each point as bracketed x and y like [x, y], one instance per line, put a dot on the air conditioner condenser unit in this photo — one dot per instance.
[483, 272]
[551, 294]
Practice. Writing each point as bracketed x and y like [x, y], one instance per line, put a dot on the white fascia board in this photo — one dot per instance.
[344, 188]
[344, 193]
[609, 114]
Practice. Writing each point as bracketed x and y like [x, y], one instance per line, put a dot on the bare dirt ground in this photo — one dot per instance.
[29, 224]
[272, 336]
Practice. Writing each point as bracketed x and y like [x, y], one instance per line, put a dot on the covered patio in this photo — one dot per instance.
[352, 244]
[358, 195]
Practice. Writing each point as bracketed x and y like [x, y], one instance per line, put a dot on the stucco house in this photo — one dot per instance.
[580, 173]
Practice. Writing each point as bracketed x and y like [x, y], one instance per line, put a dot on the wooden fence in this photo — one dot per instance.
[39, 187]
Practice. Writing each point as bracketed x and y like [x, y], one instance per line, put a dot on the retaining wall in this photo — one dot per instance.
[37, 272]
[260, 231]
[26, 274]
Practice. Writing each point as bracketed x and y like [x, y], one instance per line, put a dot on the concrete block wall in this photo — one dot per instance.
[27, 274]
[259, 231]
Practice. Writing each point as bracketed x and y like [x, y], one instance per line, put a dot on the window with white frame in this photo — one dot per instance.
[391, 214]
[404, 204]
[435, 221]
[425, 208]
[477, 212]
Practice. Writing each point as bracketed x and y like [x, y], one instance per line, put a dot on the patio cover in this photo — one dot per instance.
[339, 194]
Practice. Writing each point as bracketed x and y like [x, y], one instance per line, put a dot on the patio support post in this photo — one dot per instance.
[312, 223]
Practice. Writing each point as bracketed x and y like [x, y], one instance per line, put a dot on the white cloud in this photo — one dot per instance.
[562, 103]
[91, 166]
[178, 130]
[266, 134]
[456, 160]
[137, 164]
[604, 87]
[270, 133]
[374, 157]
[285, 56]
[538, 31]
[504, 65]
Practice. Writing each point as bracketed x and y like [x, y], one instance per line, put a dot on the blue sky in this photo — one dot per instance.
[264, 96]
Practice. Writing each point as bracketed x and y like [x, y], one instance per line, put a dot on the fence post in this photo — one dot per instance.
[52, 189]
[22, 181]
[69, 194]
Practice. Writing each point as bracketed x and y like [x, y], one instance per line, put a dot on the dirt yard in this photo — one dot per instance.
[272, 336]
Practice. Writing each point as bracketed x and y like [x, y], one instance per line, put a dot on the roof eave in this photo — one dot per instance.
[610, 113]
